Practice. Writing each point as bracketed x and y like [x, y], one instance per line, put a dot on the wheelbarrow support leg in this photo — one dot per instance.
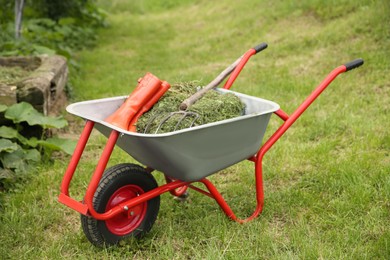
[64, 197]
[76, 157]
[101, 166]
[214, 193]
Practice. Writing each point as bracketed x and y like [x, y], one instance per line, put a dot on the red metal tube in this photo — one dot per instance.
[258, 159]
[283, 115]
[208, 194]
[101, 166]
[219, 199]
[289, 120]
[298, 112]
[214, 193]
[76, 157]
[135, 201]
[239, 67]
[176, 192]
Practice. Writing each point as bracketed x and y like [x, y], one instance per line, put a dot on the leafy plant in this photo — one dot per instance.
[50, 27]
[18, 152]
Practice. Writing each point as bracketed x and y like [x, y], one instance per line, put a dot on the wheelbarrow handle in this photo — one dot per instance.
[289, 120]
[235, 68]
[242, 63]
[354, 64]
[260, 47]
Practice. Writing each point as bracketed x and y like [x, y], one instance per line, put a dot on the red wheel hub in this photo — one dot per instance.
[125, 223]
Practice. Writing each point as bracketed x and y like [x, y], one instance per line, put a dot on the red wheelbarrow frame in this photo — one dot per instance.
[178, 187]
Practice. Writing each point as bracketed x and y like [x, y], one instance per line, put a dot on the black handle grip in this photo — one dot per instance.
[260, 47]
[354, 64]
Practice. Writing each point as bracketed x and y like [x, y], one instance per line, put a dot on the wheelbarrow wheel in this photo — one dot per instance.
[119, 183]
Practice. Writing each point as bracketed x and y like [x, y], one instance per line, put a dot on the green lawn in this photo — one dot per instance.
[327, 182]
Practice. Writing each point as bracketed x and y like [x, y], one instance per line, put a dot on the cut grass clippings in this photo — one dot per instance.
[165, 115]
[326, 181]
[11, 75]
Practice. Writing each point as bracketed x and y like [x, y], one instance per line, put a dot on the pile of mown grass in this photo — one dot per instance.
[11, 75]
[212, 107]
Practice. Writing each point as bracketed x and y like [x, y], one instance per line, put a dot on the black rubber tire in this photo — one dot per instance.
[113, 179]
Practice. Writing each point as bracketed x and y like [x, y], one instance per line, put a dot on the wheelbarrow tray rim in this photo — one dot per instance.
[74, 109]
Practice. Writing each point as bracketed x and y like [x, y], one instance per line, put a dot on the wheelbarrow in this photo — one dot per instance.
[123, 200]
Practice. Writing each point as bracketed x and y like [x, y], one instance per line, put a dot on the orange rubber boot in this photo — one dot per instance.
[164, 87]
[147, 87]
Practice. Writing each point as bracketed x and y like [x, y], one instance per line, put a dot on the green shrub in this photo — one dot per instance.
[18, 153]
[50, 27]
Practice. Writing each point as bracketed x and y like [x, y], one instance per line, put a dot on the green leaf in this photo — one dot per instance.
[3, 108]
[11, 133]
[8, 132]
[6, 174]
[7, 146]
[19, 158]
[10, 53]
[14, 160]
[25, 112]
[59, 144]
[32, 155]
[67, 21]
[39, 49]
[33, 142]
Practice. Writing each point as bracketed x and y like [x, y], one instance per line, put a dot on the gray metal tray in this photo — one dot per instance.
[193, 153]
